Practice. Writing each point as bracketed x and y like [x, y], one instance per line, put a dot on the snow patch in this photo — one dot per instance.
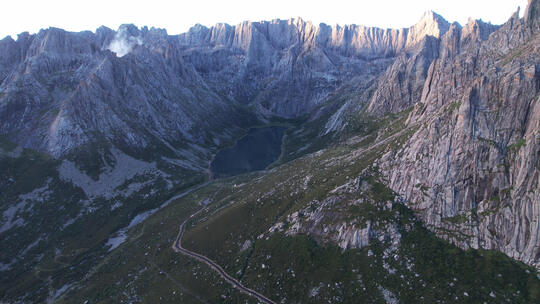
[335, 123]
[121, 235]
[58, 293]
[126, 168]
[39, 194]
[34, 244]
[70, 221]
[116, 205]
[117, 240]
[9, 215]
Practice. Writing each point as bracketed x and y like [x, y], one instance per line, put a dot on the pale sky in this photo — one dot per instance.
[178, 16]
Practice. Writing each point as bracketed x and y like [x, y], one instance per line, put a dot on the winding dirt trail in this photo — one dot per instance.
[177, 247]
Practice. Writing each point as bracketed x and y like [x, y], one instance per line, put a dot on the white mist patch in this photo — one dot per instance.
[123, 43]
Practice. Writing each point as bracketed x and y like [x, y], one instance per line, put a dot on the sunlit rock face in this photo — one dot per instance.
[472, 169]
[289, 67]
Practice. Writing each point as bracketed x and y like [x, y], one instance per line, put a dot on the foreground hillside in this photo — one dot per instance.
[323, 228]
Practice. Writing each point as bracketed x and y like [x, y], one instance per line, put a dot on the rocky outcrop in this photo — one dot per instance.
[402, 84]
[348, 217]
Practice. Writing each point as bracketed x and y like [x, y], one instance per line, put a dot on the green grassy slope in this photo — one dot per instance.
[54, 235]
[306, 267]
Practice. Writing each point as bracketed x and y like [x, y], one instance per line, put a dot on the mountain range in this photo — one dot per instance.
[410, 157]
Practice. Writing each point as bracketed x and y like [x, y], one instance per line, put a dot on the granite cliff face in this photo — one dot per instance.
[287, 68]
[471, 171]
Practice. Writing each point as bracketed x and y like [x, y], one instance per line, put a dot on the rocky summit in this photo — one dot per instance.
[272, 162]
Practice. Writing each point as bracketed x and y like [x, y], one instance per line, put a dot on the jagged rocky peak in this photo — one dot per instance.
[364, 39]
[58, 41]
[369, 42]
[104, 35]
[129, 29]
[196, 35]
[532, 14]
[478, 29]
[431, 24]
[284, 33]
[221, 33]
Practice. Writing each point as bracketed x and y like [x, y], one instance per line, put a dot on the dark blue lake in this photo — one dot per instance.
[255, 151]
